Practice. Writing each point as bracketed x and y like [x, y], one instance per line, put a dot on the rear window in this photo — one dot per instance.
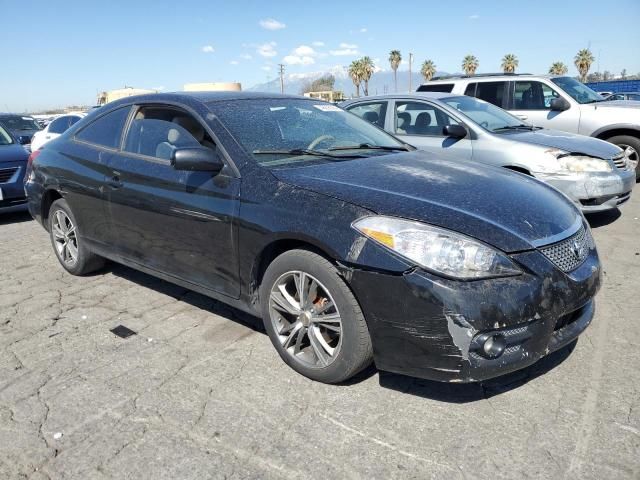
[436, 87]
[106, 130]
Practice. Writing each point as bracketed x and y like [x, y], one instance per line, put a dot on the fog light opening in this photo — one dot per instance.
[494, 345]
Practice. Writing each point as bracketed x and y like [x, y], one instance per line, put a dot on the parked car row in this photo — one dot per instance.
[351, 244]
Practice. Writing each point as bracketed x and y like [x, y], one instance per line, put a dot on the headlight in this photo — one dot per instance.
[579, 163]
[436, 249]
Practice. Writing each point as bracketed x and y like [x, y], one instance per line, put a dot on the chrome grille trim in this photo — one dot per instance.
[571, 252]
[620, 161]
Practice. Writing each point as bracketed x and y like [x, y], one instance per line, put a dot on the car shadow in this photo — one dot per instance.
[473, 392]
[15, 217]
[601, 219]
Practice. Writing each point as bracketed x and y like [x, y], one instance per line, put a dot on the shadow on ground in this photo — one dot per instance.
[444, 392]
[14, 217]
[602, 219]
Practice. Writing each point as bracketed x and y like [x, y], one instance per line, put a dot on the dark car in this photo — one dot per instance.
[13, 164]
[22, 127]
[349, 244]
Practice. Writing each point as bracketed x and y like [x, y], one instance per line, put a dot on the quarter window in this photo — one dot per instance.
[418, 118]
[106, 130]
[371, 112]
[533, 96]
[492, 92]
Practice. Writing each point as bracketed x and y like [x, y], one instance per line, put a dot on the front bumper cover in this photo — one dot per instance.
[423, 325]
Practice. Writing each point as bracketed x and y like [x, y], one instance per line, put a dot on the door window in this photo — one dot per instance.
[419, 118]
[106, 130]
[531, 95]
[371, 112]
[59, 125]
[492, 92]
[158, 131]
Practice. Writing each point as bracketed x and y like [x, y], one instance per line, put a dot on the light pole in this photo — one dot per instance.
[410, 62]
[281, 77]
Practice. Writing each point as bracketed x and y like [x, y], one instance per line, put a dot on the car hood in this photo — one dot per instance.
[13, 153]
[566, 141]
[615, 104]
[505, 209]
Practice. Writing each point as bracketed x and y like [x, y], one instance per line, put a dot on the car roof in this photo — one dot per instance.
[487, 76]
[205, 97]
[416, 95]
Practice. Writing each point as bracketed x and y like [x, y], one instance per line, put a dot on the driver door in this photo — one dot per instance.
[532, 103]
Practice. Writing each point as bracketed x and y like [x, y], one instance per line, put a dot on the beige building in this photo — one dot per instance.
[332, 96]
[213, 87]
[111, 95]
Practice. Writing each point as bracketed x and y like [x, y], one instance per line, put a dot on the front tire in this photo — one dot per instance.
[312, 318]
[67, 242]
[631, 145]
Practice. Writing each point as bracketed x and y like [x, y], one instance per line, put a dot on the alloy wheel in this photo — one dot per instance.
[630, 152]
[306, 319]
[65, 238]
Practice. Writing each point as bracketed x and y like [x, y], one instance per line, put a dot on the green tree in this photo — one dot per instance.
[470, 64]
[583, 60]
[367, 68]
[324, 83]
[428, 70]
[558, 68]
[355, 72]
[509, 63]
[395, 57]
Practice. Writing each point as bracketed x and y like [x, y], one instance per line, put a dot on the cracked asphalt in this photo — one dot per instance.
[199, 392]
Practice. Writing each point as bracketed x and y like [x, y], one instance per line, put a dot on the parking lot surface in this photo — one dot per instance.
[199, 392]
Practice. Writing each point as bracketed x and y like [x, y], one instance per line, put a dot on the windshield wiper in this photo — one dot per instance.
[367, 146]
[522, 126]
[304, 151]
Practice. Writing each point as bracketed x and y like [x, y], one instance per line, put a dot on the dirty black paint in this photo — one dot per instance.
[212, 234]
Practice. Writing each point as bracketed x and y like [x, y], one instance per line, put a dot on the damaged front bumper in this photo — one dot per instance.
[430, 327]
[593, 191]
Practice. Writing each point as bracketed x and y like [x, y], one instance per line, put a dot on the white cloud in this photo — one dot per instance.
[318, 44]
[349, 45]
[298, 60]
[474, 17]
[345, 49]
[363, 30]
[267, 49]
[234, 62]
[246, 56]
[208, 49]
[271, 24]
[304, 50]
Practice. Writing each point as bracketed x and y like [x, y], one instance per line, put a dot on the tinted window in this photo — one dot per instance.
[471, 90]
[59, 125]
[492, 92]
[371, 112]
[106, 130]
[533, 96]
[436, 87]
[418, 118]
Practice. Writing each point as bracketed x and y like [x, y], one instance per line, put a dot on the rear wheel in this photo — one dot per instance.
[313, 319]
[67, 243]
[631, 146]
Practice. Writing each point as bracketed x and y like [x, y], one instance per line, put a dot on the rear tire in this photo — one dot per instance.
[631, 144]
[67, 241]
[321, 334]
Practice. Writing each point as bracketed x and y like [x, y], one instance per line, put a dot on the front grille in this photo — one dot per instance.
[569, 253]
[7, 173]
[620, 161]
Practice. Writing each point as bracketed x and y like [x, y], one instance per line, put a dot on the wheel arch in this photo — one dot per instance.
[48, 197]
[616, 130]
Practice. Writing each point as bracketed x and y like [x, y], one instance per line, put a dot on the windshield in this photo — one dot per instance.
[16, 123]
[485, 114]
[5, 138]
[576, 90]
[284, 132]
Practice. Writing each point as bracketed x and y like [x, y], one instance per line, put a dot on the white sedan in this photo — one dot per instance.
[56, 128]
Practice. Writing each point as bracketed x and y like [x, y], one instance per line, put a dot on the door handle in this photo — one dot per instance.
[522, 117]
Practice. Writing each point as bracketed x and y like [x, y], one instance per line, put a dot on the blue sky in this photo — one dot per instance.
[61, 53]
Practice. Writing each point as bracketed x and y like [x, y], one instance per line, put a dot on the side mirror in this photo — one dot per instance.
[559, 104]
[454, 131]
[24, 140]
[196, 159]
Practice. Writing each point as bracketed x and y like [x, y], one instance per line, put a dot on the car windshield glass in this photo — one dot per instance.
[20, 123]
[486, 115]
[5, 138]
[280, 132]
[576, 90]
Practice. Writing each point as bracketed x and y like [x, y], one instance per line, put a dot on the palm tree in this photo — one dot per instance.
[366, 68]
[428, 70]
[355, 72]
[395, 57]
[558, 68]
[509, 63]
[583, 60]
[470, 64]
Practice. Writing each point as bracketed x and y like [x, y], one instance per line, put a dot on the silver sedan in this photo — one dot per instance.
[593, 173]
